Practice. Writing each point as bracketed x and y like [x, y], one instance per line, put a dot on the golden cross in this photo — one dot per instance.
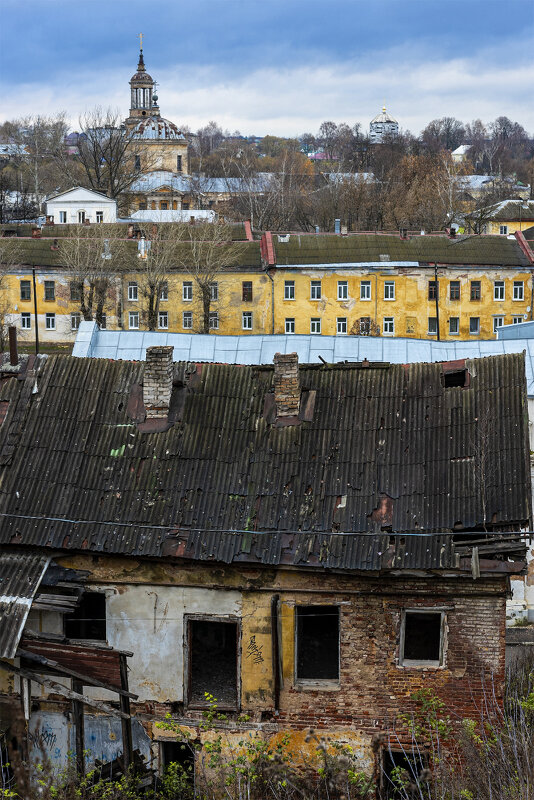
[140, 40]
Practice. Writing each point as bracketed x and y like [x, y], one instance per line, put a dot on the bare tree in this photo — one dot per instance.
[206, 252]
[158, 253]
[94, 256]
[111, 156]
[10, 255]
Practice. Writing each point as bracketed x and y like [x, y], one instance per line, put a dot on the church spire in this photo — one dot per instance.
[141, 62]
[142, 103]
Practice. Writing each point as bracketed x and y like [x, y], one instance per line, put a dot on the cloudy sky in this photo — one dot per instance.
[273, 66]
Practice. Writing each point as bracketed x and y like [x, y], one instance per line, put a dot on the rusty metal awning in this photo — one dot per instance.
[20, 576]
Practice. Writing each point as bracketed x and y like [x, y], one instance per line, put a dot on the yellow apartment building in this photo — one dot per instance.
[363, 284]
[504, 218]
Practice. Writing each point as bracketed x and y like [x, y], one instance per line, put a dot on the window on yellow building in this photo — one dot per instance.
[25, 290]
[103, 322]
[178, 163]
[432, 326]
[49, 290]
[388, 328]
[389, 290]
[315, 325]
[498, 290]
[342, 290]
[517, 320]
[187, 320]
[498, 322]
[289, 290]
[432, 290]
[142, 206]
[317, 643]
[75, 288]
[75, 321]
[187, 291]
[475, 290]
[246, 320]
[315, 290]
[214, 291]
[133, 320]
[214, 320]
[503, 230]
[454, 326]
[133, 293]
[519, 290]
[454, 290]
[25, 321]
[50, 322]
[365, 290]
[247, 291]
[290, 325]
[474, 326]
[164, 291]
[163, 319]
[341, 325]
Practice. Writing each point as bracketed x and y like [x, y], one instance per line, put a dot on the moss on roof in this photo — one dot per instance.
[464, 250]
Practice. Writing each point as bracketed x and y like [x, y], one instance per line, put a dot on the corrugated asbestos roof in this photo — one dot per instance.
[20, 576]
[389, 450]
[365, 248]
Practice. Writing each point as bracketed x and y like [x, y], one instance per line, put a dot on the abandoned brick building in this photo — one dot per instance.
[309, 544]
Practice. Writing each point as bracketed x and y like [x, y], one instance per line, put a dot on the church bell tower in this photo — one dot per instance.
[143, 102]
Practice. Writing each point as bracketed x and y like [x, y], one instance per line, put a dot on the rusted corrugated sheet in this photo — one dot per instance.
[20, 576]
[96, 662]
[389, 450]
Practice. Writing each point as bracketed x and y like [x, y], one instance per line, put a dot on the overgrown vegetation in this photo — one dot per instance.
[426, 754]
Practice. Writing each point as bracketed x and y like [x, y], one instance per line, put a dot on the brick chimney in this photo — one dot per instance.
[286, 385]
[157, 381]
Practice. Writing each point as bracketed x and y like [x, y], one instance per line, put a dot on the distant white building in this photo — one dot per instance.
[381, 126]
[461, 153]
[79, 205]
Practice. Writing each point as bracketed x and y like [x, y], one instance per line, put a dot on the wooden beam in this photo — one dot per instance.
[72, 673]
[62, 690]
[126, 721]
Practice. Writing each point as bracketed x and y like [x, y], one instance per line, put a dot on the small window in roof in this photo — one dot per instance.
[457, 377]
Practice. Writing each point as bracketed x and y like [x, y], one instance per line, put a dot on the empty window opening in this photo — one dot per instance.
[317, 643]
[458, 377]
[398, 769]
[182, 754]
[421, 637]
[213, 661]
[88, 620]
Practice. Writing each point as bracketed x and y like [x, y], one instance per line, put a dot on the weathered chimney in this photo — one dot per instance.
[157, 381]
[286, 385]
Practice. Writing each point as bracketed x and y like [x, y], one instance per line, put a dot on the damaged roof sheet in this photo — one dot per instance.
[389, 450]
[20, 576]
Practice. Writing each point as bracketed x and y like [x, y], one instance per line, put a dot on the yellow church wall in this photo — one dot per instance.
[161, 155]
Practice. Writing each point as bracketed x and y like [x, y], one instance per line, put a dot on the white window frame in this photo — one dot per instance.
[503, 230]
[187, 291]
[316, 290]
[365, 290]
[289, 325]
[103, 322]
[315, 325]
[435, 325]
[456, 321]
[163, 315]
[133, 320]
[75, 319]
[342, 290]
[389, 290]
[519, 291]
[388, 326]
[289, 290]
[518, 320]
[50, 321]
[26, 321]
[246, 320]
[472, 332]
[498, 322]
[63, 217]
[424, 663]
[164, 291]
[81, 217]
[213, 320]
[133, 291]
[187, 320]
[214, 291]
[341, 326]
[99, 216]
[499, 288]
